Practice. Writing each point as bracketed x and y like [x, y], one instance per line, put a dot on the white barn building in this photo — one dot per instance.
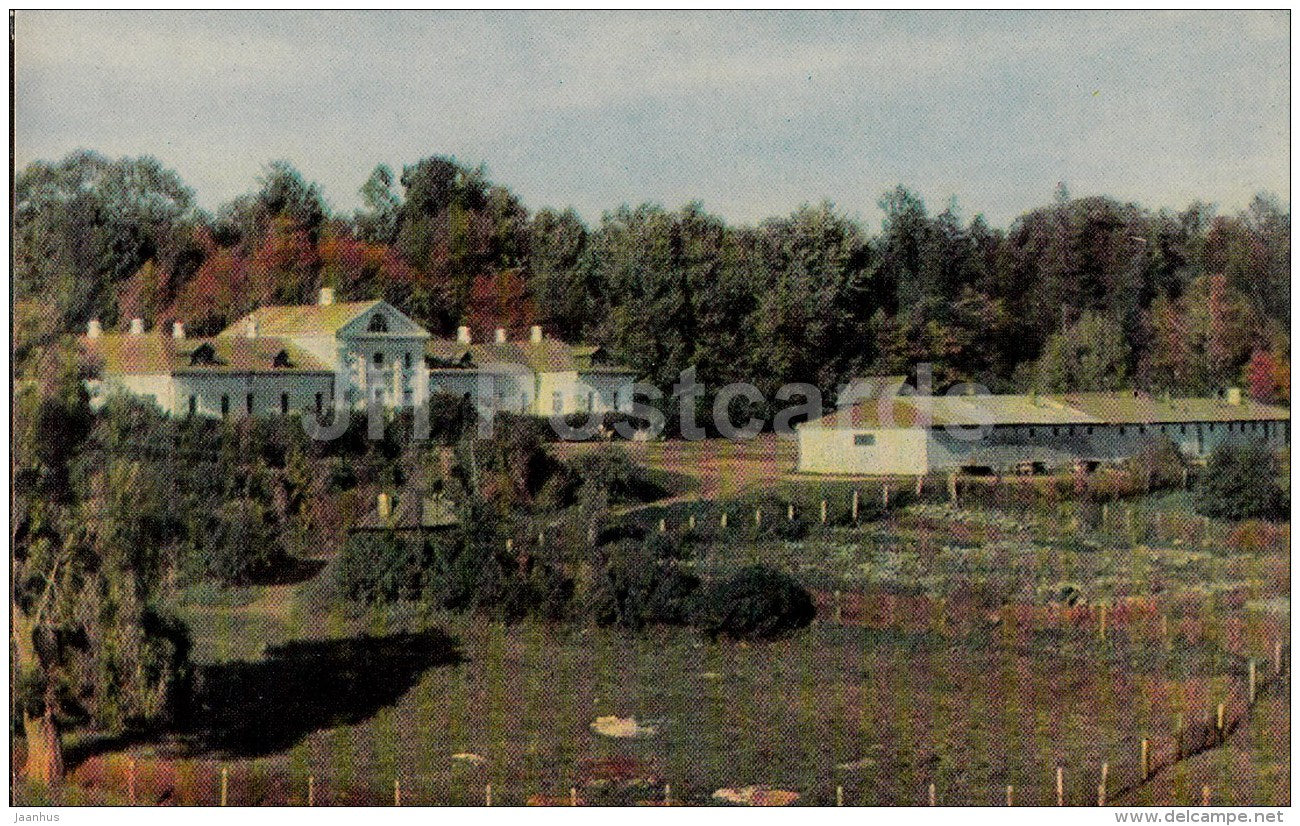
[895, 434]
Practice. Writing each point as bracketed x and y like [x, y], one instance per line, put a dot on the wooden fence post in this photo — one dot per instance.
[920, 486]
[397, 792]
[1010, 796]
[690, 521]
[723, 522]
[1144, 761]
[823, 511]
[541, 539]
[758, 517]
[855, 506]
[789, 513]
[1277, 658]
[1060, 786]
[1250, 681]
[573, 795]
[1205, 795]
[663, 525]
[952, 488]
[1179, 733]
[839, 795]
[668, 794]
[311, 790]
[1218, 721]
[510, 546]
[933, 801]
[884, 497]
[487, 795]
[225, 779]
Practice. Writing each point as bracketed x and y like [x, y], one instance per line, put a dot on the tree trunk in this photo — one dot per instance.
[44, 749]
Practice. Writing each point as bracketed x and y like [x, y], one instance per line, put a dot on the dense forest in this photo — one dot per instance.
[1080, 293]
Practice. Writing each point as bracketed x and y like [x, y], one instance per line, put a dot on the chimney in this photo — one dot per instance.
[463, 335]
[250, 327]
[178, 330]
[384, 505]
[1234, 396]
[326, 296]
[137, 326]
[93, 329]
[501, 335]
[535, 334]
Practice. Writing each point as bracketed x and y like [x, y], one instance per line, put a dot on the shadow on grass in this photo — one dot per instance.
[250, 709]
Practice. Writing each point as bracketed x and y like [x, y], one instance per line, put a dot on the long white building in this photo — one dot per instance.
[281, 360]
[892, 434]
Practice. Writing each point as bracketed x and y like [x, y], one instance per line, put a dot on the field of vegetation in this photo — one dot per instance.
[969, 647]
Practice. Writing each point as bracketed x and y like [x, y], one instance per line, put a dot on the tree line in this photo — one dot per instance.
[1079, 293]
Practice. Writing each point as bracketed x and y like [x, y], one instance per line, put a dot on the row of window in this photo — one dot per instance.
[249, 404]
[864, 439]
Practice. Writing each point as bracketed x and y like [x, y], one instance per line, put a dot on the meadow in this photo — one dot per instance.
[960, 649]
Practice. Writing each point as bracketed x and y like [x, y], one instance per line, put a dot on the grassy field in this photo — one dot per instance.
[960, 647]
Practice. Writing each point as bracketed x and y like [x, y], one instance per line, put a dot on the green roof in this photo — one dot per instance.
[157, 354]
[306, 319]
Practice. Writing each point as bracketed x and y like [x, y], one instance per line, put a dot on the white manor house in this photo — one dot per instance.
[283, 360]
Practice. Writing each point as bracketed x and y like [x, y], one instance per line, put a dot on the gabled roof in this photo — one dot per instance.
[156, 354]
[547, 356]
[301, 320]
[1097, 408]
[412, 511]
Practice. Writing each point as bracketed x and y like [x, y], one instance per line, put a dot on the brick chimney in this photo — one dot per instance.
[178, 330]
[93, 329]
[326, 296]
[501, 335]
[1234, 396]
[251, 327]
[137, 326]
[463, 335]
[535, 334]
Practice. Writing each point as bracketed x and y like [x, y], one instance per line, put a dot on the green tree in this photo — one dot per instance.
[1241, 482]
[1091, 355]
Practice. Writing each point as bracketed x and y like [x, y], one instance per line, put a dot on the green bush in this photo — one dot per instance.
[636, 589]
[1240, 482]
[757, 602]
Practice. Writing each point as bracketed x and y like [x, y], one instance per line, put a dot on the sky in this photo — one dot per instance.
[752, 114]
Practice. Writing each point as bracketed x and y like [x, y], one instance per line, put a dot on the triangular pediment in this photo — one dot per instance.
[382, 319]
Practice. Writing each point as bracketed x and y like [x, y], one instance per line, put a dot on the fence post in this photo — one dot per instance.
[823, 511]
[1250, 681]
[1010, 796]
[839, 795]
[1144, 762]
[884, 496]
[933, 802]
[723, 522]
[1164, 631]
[1179, 730]
[397, 792]
[541, 539]
[920, 486]
[855, 505]
[1205, 795]
[225, 778]
[690, 521]
[510, 546]
[311, 790]
[663, 525]
[668, 794]
[573, 795]
[1277, 658]
[789, 513]
[487, 795]
[1218, 721]
[758, 517]
[1060, 786]
[1101, 787]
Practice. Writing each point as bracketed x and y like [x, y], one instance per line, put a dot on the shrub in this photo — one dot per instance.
[1240, 482]
[635, 589]
[758, 602]
[626, 481]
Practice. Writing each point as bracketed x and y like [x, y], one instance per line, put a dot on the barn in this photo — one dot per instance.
[893, 434]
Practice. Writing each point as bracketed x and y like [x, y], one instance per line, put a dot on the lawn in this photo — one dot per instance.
[968, 648]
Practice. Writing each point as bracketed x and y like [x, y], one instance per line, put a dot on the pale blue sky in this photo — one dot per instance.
[753, 114]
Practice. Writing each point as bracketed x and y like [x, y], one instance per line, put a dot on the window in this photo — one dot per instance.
[407, 360]
[225, 406]
[407, 397]
[248, 404]
[863, 439]
[379, 359]
[378, 323]
[284, 404]
[1121, 430]
[194, 405]
[320, 403]
[557, 402]
[1182, 429]
[1031, 433]
[1089, 430]
[1056, 431]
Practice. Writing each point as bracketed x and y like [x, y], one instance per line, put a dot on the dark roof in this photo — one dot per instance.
[412, 511]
